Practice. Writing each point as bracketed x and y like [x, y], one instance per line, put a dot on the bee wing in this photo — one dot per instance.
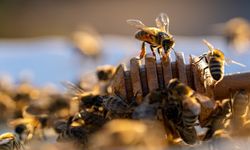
[136, 23]
[209, 45]
[162, 22]
[15, 122]
[72, 88]
[5, 141]
[230, 61]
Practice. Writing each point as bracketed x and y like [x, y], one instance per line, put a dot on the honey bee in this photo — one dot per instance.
[239, 121]
[105, 72]
[117, 107]
[240, 101]
[182, 109]
[218, 120]
[89, 101]
[71, 131]
[216, 60]
[79, 127]
[30, 125]
[158, 37]
[8, 141]
[150, 107]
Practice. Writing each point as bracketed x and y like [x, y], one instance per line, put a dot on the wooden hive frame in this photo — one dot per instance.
[143, 78]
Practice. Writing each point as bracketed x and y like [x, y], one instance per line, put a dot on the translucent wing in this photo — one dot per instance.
[230, 61]
[136, 23]
[72, 88]
[209, 45]
[162, 22]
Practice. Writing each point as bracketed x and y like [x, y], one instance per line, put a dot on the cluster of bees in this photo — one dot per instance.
[94, 114]
[28, 111]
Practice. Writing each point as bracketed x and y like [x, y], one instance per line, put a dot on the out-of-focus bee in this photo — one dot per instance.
[182, 109]
[8, 141]
[150, 107]
[158, 37]
[219, 118]
[30, 125]
[24, 95]
[89, 101]
[105, 72]
[236, 32]
[58, 106]
[7, 106]
[104, 75]
[239, 121]
[129, 135]
[215, 59]
[117, 107]
[79, 127]
[92, 122]
[240, 101]
[72, 131]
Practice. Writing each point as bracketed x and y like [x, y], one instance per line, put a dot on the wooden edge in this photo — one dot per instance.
[135, 78]
[144, 82]
[181, 67]
[167, 70]
[150, 64]
[231, 82]
[128, 86]
[190, 74]
[160, 75]
[198, 84]
[118, 82]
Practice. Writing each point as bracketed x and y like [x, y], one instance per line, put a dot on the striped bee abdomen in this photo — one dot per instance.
[189, 119]
[144, 36]
[216, 68]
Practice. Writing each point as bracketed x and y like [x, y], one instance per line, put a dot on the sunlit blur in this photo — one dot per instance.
[45, 43]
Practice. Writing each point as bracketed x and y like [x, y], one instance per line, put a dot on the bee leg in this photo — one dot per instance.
[209, 134]
[152, 49]
[143, 50]
[204, 69]
[164, 56]
[200, 58]
[43, 136]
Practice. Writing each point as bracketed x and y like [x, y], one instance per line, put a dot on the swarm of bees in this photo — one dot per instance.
[94, 117]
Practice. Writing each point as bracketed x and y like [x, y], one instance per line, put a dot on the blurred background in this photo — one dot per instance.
[50, 41]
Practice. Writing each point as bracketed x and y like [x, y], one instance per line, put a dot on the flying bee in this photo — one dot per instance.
[158, 37]
[216, 60]
[8, 141]
[183, 109]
